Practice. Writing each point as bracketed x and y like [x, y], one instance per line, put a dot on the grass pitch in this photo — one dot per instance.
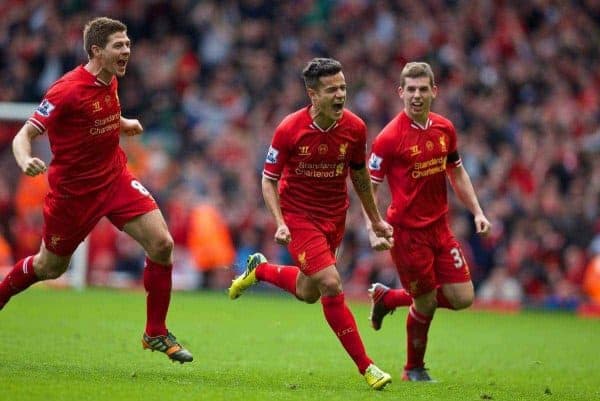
[65, 345]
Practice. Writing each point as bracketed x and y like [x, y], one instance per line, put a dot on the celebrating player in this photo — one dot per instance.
[416, 151]
[89, 179]
[304, 187]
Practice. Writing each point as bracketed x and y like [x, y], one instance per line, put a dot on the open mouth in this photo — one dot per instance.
[417, 105]
[337, 107]
[122, 63]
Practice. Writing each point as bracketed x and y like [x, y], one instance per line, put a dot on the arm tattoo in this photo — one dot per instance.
[361, 180]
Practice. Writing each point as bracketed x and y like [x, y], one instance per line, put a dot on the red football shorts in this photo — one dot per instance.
[67, 221]
[428, 257]
[314, 242]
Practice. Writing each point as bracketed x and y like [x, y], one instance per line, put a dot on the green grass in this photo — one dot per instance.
[64, 345]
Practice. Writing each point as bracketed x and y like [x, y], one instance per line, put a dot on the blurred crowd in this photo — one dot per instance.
[209, 80]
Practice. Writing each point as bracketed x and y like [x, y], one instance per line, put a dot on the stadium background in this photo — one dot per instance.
[209, 80]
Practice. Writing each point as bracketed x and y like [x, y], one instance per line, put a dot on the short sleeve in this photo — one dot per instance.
[379, 159]
[359, 152]
[454, 159]
[277, 155]
[49, 108]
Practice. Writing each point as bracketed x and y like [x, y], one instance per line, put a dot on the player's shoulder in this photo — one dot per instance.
[295, 119]
[394, 127]
[440, 120]
[353, 120]
[77, 75]
[67, 82]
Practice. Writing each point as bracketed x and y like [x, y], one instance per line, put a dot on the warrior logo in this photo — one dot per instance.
[303, 151]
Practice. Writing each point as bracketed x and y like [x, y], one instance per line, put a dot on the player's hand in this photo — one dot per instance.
[34, 166]
[482, 225]
[131, 126]
[282, 235]
[381, 236]
[380, 243]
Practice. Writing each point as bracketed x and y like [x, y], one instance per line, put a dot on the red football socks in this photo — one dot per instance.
[19, 279]
[342, 323]
[395, 298]
[417, 327]
[283, 277]
[157, 282]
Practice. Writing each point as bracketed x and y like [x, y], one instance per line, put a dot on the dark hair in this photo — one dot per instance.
[317, 68]
[417, 69]
[97, 31]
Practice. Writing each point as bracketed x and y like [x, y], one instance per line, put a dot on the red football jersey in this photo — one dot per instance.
[414, 158]
[311, 164]
[82, 118]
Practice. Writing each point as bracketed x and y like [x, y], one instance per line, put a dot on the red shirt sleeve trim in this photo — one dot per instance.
[37, 125]
[456, 164]
[376, 179]
[270, 175]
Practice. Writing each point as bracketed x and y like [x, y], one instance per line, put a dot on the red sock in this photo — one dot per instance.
[394, 298]
[283, 277]
[442, 301]
[417, 326]
[157, 282]
[19, 279]
[342, 323]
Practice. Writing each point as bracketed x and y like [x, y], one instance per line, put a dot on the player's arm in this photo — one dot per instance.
[364, 189]
[130, 126]
[461, 183]
[271, 197]
[377, 243]
[21, 147]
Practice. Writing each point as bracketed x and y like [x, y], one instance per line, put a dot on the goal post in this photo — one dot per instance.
[12, 111]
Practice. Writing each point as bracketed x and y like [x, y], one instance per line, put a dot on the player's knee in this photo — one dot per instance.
[161, 248]
[330, 287]
[462, 301]
[426, 303]
[311, 298]
[50, 271]
[306, 291]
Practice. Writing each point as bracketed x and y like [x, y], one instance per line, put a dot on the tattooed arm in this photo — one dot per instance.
[362, 185]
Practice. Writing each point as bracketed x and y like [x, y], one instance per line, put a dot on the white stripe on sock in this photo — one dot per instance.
[25, 264]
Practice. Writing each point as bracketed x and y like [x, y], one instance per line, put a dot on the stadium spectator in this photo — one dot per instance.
[312, 153]
[591, 280]
[417, 151]
[210, 245]
[89, 179]
[500, 288]
[520, 82]
[6, 258]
